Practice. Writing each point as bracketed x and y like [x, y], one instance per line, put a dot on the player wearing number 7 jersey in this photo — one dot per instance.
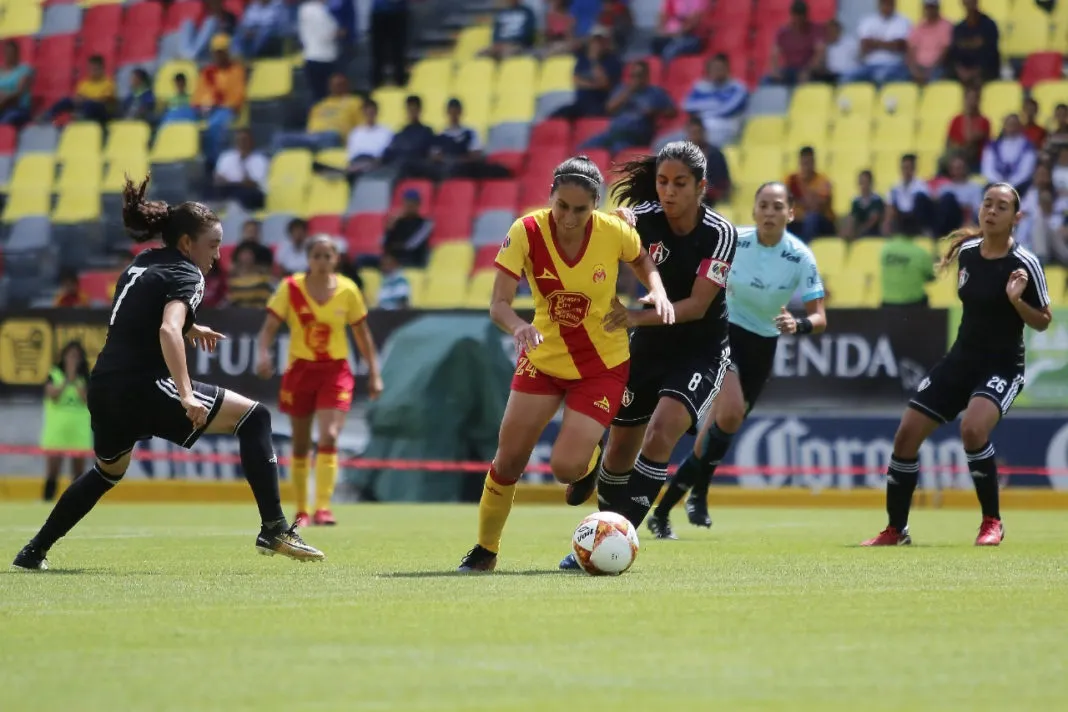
[1001, 288]
[140, 385]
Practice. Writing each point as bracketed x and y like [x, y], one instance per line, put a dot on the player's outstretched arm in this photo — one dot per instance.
[365, 343]
[645, 270]
[268, 333]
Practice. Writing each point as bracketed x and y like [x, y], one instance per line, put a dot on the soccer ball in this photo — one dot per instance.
[605, 544]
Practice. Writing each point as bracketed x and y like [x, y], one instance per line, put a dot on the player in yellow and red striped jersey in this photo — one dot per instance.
[570, 255]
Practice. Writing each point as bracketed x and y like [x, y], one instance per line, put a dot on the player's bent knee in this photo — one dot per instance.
[973, 433]
[730, 417]
[567, 469]
[113, 472]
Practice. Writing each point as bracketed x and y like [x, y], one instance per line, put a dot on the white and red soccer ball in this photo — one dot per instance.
[605, 544]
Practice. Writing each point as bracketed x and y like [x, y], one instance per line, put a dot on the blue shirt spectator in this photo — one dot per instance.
[344, 11]
[597, 72]
[635, 108]
[140, 103]
[718, 101]
[973, 54]
[15, 78]
[514, 28]
[412, 143]
[263, 20]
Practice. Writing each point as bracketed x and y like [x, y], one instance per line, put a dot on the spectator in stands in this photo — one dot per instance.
[597, 72]
[195, 42]
[969, 131]
[367, 144]
[180, 106]
[514, 28]
[929, 43]
[249, 284]
[974, 56]
[394, 292]
[837, 55]
[911, 210]
[457, 149]
[330, 121]
[260, 29]
[719, 101]
[320, 42]
[681, 29]
[1034, 131]
[1011, 158]
[220, 96]
[1042, 182]
[867, 212]
[905, 268]
[410, 147]
[292, 256]
[389, 41]
[70, 293]
[635, 109]
[883, 46]
[717, 173]
[1047, 232]
[794, 57]
[1060, 173]
[241, 173]
[15, 80]
[958, 199]
[140, 103]
[559, 29]
[252, 239]
[615, 16]
[408, 232]
[812, 194]
[94, 96]
[1058, 134]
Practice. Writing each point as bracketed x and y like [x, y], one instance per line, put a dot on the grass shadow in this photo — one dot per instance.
[463, 574]
[78, 572]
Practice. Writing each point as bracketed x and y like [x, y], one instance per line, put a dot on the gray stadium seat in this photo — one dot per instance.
[774, 101]
[850, 13]
[63, 19]
[548, 103]
[667, 137]
[78, 243]
[35, 138]
[371, 195]
[233, 223]
[491, 226]
[274, 228]
[514, 136]
[170, 47]
[6, 163]
[646, 13]
[170, 182]
[22, 290]
[29, 251]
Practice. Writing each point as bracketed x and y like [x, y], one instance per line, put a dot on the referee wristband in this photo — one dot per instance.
[804, 326]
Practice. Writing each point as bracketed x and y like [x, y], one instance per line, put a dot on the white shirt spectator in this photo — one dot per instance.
[885, 29]
[318, 32]
[903, 197]
[719, 107]
[368, 141]
[1010, 159]
[1060, 180]
[843, 57]
[291, 258]
[232, 168]
[968, 194]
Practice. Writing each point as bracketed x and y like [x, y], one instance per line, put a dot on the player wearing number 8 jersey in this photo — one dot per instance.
[140, 385]
[571, 353]
[1002, 287]
[318, 306]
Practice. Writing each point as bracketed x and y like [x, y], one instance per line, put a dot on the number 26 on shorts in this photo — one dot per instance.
[998, 384]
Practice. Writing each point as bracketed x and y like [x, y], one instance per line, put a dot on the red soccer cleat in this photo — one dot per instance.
[323, 518]
[890, 537]
[302, 520]
[991, 532]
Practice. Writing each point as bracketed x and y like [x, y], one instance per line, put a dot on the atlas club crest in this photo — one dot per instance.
[659, 253]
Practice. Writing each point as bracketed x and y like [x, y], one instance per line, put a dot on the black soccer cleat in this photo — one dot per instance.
[660, 527]
[479, 559]
[697, 511]
[287, 543]
[30, 559]
[578, 492]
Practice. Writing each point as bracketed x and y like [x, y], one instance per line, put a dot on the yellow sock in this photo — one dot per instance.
[298, 471]
[493, 510]
[325, 477]
[593, 460]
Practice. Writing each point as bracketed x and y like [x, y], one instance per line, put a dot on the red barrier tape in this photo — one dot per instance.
[364, 463]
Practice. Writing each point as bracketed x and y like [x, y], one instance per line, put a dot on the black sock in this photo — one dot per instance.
[261, 464]
[680, 484]
[984, 472]
[901, 479]
[611, 490]
[50, 486]
[646, 479]
[76, 501]
[717, 444]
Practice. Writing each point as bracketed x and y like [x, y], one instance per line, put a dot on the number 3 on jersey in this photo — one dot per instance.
[135, 272]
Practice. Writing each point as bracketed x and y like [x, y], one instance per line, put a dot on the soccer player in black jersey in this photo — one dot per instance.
[1001, 287]
[140, 385]
[676, 370]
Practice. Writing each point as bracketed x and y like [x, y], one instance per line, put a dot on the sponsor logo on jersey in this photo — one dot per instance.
[546, 274]
[628, 397]
[659, 253]
[717, 272]
[789, 257]
[962, 277]
[604, 404]
[599, 275]
[568, 308]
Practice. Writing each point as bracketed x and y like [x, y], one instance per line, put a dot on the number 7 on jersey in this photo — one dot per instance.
[135, 272]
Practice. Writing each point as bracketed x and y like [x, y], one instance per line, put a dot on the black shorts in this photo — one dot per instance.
[954, 381]
[125, 411]
[752, 358]
[655, 374]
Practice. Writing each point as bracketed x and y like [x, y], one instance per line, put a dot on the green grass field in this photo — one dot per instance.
[169, 608]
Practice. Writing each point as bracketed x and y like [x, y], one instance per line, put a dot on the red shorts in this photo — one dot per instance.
[598, 397]
[308, 386]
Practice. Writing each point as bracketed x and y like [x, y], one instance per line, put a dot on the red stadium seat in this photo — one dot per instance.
[684, 72]
[821, 11]
[364, 232]
[424, 187]
[456, 192]
[54, 79]
[141, 28]
[453, 211]
[181, 11]
[512, 160]
[101, 18]
[237, 7]
[552, 132]
[485, 257]
[325, 225]
[1041, 65]
[602, 158]
[27, 48]
[498, 195]
[585, 128]
[8, 139]
[226, 257]
[97, 283]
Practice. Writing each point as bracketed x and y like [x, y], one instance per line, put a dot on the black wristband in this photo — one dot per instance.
[804, 326]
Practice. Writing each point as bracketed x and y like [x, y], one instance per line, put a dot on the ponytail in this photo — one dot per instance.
[147, 220]
[955, 240]
[638, 184]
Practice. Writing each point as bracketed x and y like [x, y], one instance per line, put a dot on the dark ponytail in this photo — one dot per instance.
[959, 237]
[147, 220]
[638, 184]
[580, 171]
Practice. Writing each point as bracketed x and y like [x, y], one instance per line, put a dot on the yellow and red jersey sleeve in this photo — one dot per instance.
[357, 310]
[513, 257]
[278, 304]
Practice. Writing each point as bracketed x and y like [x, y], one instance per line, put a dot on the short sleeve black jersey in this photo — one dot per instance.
[705, 253]
[154, 279]
[991, 330]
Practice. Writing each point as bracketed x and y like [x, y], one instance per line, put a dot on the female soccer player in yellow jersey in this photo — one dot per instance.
[317, 306]
[571, 354]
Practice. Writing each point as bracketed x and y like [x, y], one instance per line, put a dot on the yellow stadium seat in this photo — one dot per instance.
[20, 18]
[927, 163]
[326, 196]
[864, 256]
[34, 171]
[391, 107]
[912, 9]
[475, 80]
[742, 198]
[760, 164]
[854, 100]
[25, 203]
[288, 181]
[451, 259]
[416, 285]
[728, 213]
[886, 170]
[807, 132]
[163, 86]
[76, 205]
[471, 41]
[118, 167]
[932, 133]
[557, 74]
[896, 131]
[1048, 94]
[851, 290]
[942, 293]
[434, 102]
[764, 131]
[434, 73]
[811, 102]
[830, 254]
[480, 289]
[80, 141]
[999, 99]
[733, 154]
[1055, 283]
[941, 100]
[176, 142]
[333, 157]
[1027, 30]
[126, 138]
[843, 169]
[445, 292]
[897, 99]
[514, 90]
[372, 281]
[87, 171]
[852, 132]
[270, 79]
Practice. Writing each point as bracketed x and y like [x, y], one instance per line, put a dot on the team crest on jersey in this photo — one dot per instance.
[659, 253]
[599, 275]
[962, 277]
[198, 294]
[923, 385]
[568, 308]
[507, 242]
[628, 397]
